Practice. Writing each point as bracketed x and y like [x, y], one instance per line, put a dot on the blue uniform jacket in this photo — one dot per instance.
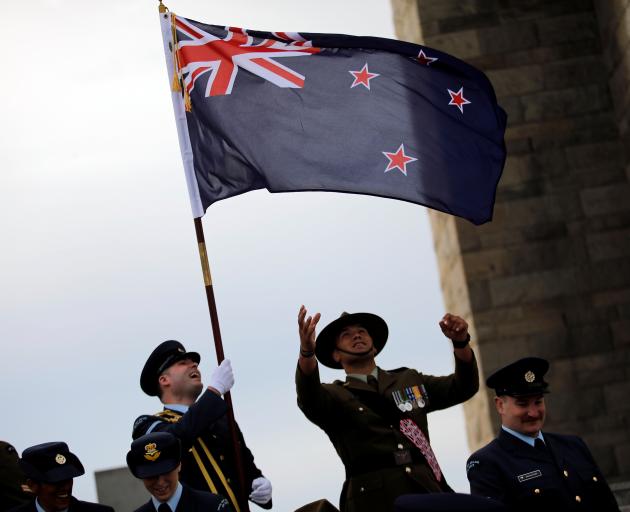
[565, 477]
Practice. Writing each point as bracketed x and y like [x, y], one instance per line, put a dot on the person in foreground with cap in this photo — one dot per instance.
[49, 469]
[13, 488]
[377, 419]
[156, 460]
[526, 468]
[200, 423]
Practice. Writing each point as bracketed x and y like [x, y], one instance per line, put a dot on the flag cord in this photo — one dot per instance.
[218, 345]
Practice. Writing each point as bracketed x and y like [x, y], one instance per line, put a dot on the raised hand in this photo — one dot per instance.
[306, 328]
[454, 327]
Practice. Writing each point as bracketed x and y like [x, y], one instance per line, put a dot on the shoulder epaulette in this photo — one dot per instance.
[170, 416]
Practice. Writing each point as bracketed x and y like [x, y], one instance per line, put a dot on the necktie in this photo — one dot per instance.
[412, 432]
[164, 508]
[539, 444]
[372, 382]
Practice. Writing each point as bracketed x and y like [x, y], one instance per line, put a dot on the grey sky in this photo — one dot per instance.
[99, 261]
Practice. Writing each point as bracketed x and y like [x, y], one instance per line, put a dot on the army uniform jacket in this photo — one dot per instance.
[208, 463]
[194, 501]
[564, 477]
[380, 462]
[75, 506]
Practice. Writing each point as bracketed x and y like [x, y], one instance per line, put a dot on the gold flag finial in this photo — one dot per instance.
[162, 8]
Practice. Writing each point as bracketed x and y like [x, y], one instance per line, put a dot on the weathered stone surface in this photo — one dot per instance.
[606, 200]
[550, 275]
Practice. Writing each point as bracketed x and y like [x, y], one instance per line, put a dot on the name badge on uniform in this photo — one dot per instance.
[529, 476]
[411, 397]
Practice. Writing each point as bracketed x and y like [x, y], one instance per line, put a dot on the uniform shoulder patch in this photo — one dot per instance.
[223, 505]
[472, 463]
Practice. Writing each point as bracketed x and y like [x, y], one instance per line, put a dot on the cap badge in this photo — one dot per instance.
[180, 349]
[60, 459]
[530, 377]
[151, 452]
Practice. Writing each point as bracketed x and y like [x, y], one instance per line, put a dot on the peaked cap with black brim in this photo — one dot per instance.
[524, 377]
[327, 339]
[50, 463]
[165, 355]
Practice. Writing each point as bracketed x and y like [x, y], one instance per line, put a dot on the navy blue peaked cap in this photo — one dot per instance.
[520, 378]
[50, 463]
[154, 454]
[165, 354]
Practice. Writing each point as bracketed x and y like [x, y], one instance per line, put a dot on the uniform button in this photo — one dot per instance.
[360, 409]
[594, 479]
[229, 481]
[565, 473]
[362, 489]
[214, 436]
[400, 446]
[221, 457]
[578, 499]
[536, 491]
[407, 470]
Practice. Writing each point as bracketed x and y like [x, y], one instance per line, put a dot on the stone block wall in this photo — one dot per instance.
[550, 275]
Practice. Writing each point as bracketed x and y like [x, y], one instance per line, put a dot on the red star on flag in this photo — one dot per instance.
[398, 160]
[423, 59]
[457, 99]
[362, 77]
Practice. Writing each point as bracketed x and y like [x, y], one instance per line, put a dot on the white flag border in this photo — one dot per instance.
[180, 121]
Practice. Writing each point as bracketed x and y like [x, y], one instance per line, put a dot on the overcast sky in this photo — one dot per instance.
[99, 261]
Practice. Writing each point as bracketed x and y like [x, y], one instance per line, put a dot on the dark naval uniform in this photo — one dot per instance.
[362, 423]
[557, 473]
[194, 501]
[13, 489]
[75, 506]
[562, 477]
[208, 463]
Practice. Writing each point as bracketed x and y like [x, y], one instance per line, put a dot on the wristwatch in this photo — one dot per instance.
[461, 344]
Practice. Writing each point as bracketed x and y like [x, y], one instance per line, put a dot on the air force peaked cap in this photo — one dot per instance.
[165, 354]
[154, 454]
[520, 378]
[50, 463]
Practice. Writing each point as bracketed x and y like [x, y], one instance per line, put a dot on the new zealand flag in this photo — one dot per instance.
[364, 115]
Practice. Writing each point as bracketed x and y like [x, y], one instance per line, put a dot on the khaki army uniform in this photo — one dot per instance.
[362, 423]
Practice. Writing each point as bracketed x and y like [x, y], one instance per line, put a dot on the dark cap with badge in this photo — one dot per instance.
[154, 454]
[50, 463]
[327, 339]
[165, 354]
[520, 378]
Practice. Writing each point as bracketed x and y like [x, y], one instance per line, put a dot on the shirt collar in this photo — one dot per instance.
[172, 502]
[177, 407]
[362, 376]
[41, 509]
[526, 439]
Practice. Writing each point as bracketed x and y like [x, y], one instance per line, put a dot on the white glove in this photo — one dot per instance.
[261, 490]
[222, 379]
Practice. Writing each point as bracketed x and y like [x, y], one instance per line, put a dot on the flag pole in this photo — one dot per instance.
[218, 345]
[179, 107]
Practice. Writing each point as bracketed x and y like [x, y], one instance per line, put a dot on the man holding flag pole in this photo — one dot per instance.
[290, 111]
